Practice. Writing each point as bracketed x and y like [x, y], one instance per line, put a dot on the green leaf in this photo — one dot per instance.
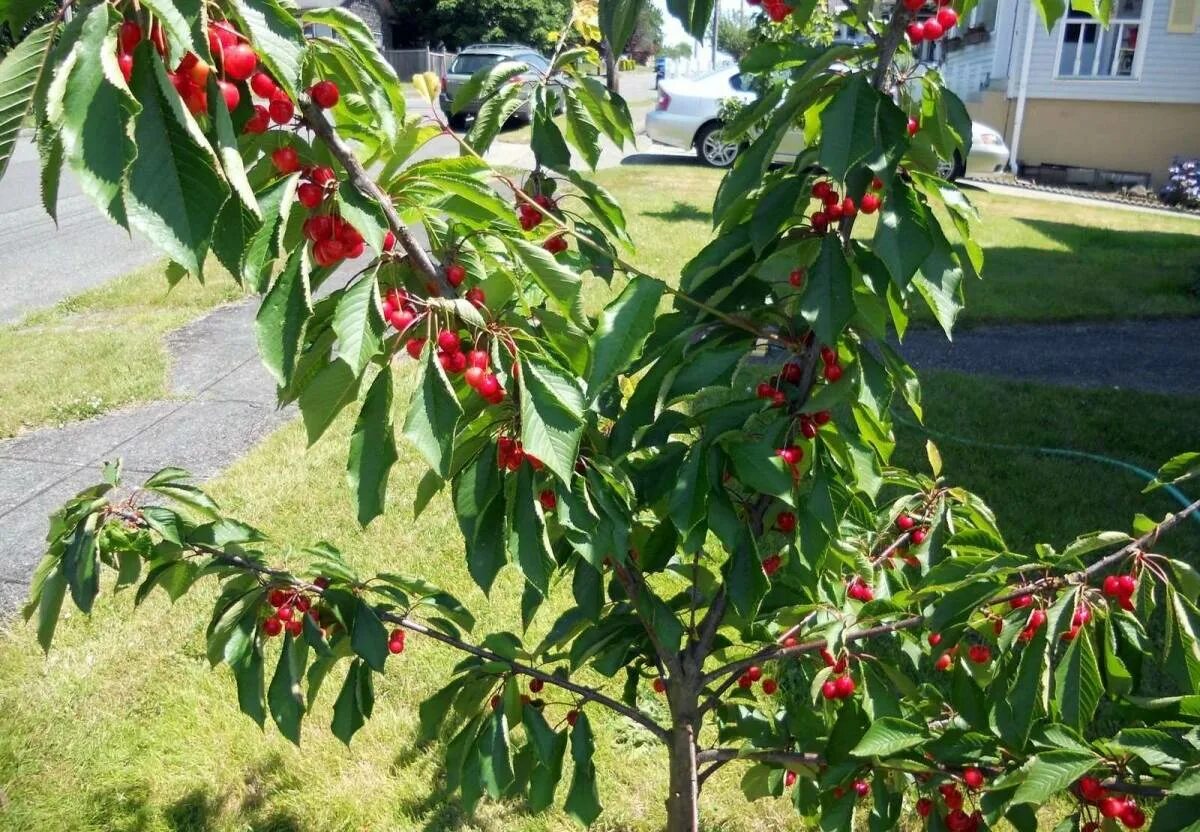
[50, 149]
[848, 126]
[373, 449]
[1077, 685]
[551, 415]
[368, 637]
[81, 563]
[1175, 470]
[939, 281]
[322, 399]
[902, 238]
[96, 112]
[358, 324]
[582, 131]
[492, 115]
[889, 735]
[546, 140]
[355, 34]
[1051, 773]
[248, 674]
[583, 800]
[1177, 814]
[19, 12]
[618, 18]
[621, 332]
[262, 243]
[173, 192]
[433, 415]
[49, 607]
[828, 303]
[496, 769]
[285, 696]
[559, 283]
[20, 72]
[485, 83]
[347, 712]
[695, 15]
[527, 542]
[283, 315]
[278, 37]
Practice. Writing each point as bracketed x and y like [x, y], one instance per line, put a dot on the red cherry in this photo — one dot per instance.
[239, 61]
[924, 807]
[448, 341]
[877, 184]
[980, 653]
[231, 94]
[389, 241]
[477, 358]
[755, 673]
[489, 385]
[263, 85]
[324, 94]
[572, 718]
[556, 244]
[415, 346]
[821, 189]
[1133, 817]
[914, 5]
[745, 682]
[455, 274]
[833, 372]
[546, 498]
[791, 641]
[769, 686]
[848, 207]
[831, 198]
[129, 35]
[286, 159]
[796, 278]
[808, 430]
[323, 175]
[281, 108]
[916, 32]
[259, 122]
[862, 788]
[221, 36]
[789, 779]
[933, 30]
[125, 62]
[1126, 585]
[819, 221]
[834, 212]
[396, 642]
[948, 18]
[1091, 790]
[829, 689]
[1112, 585]
[869, 204]
[845, 686]
[1021, 601]
[659, 684]
[786, 522]
[791, 373]
[294, 627]
[1037, 618]
[277, 598]
[904, 522]
[935, 639]
[943, 662]
[918, 536]
[771, 564]
[913, 126]
[273, 626]
[1112, 807]
[309, 195]
[973, 777]
[1082, 616]
[792, 454]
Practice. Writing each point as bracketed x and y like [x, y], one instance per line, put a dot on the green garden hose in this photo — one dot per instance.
[1148, 476]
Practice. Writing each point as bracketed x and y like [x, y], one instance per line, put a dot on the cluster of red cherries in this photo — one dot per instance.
[791, 373]
[1035, 622]
[333, 239]
[777, 10]
[510, 455]
[956, 818]
[1123, 809]
[290, 607]
[396, 642]
[836, 208]
[1121, 588]
[978, 653]
[530, 217]
[841, 685]
[771, 564]
[833, 369]
[754, 674]
[860, 590]
[934, 27]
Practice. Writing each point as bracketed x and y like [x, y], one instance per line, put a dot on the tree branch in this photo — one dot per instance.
[315, 118]
[1052, 582]
[284, 577]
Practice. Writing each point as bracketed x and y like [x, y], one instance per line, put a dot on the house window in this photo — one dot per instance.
[1091, 51]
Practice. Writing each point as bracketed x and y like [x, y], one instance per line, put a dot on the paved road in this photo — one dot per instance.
[1157, 356]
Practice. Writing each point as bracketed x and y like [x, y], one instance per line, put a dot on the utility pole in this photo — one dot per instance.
[716, 19]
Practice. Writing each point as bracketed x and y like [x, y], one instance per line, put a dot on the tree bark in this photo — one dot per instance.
[612, 78]
[683, 814]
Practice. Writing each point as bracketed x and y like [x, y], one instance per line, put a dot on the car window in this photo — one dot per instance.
[738, 83]
[534, 60]
[471, 63]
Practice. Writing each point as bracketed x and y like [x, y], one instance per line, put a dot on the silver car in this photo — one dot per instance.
[688, 115]
[482, 56]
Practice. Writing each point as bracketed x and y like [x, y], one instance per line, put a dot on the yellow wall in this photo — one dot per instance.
[1111, 135]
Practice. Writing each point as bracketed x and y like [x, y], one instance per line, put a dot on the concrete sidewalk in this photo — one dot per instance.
[226, 405]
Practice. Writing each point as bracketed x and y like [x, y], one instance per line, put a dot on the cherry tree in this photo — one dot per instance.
[704, 465]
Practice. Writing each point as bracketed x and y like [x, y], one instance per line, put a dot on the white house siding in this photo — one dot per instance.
[1170, 71]
[968, 70]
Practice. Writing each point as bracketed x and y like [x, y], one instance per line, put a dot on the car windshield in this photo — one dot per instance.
[472, 63]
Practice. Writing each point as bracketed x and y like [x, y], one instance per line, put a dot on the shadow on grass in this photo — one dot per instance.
[661, 159]
[681, 212]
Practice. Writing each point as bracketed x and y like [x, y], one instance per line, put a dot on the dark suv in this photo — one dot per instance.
[483, 56]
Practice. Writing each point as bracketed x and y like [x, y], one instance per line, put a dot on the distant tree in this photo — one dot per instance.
[734, 36]
[647, 37]
[676, 51]
[458, 23]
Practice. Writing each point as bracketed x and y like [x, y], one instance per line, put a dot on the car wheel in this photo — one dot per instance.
[458, 121]
[712, 149]
[951, 169]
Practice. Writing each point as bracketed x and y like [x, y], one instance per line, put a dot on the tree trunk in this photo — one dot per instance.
[610, 69]
[683, 797]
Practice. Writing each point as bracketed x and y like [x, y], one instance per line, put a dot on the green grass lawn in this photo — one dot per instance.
[124, 727]
[98, 350]
[1046, 261]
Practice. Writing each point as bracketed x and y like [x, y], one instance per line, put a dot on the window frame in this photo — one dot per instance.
[1139, 54]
